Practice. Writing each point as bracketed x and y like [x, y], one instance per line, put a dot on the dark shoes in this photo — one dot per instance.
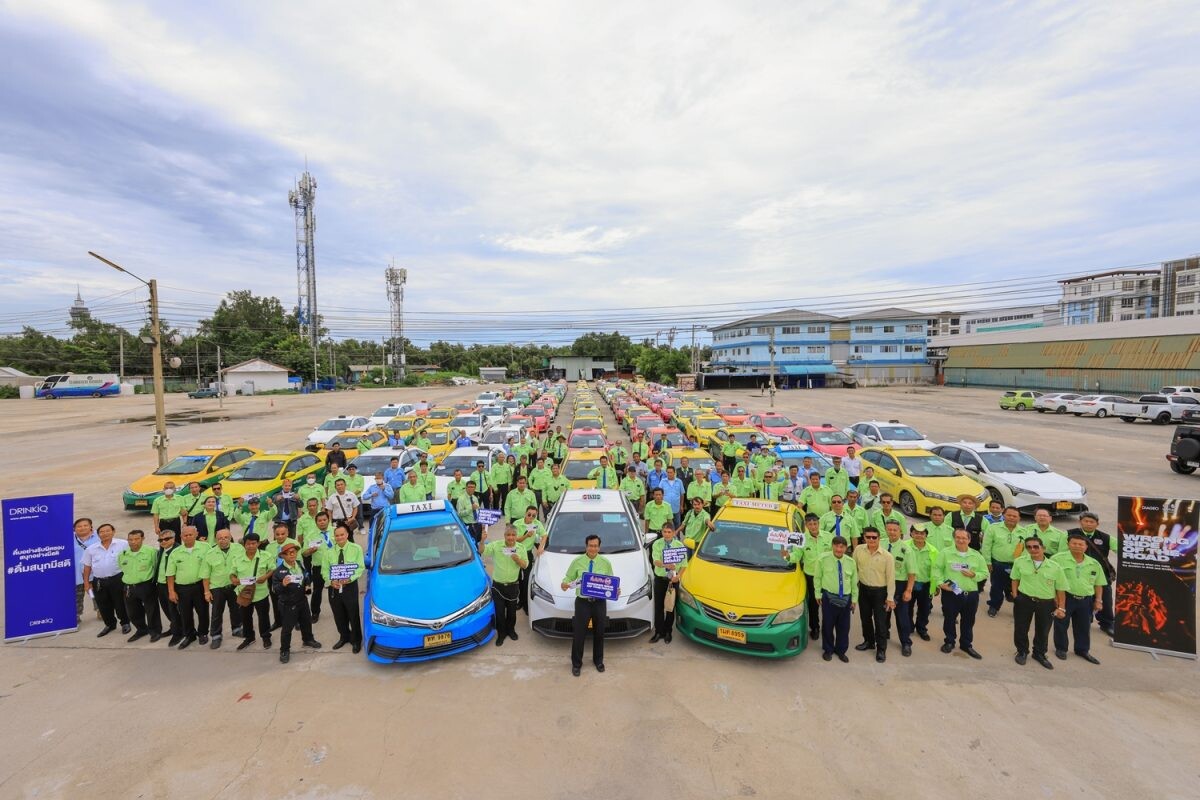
[203, 639]
[499, 641]
[1088, 657]
[924, 635]
[1020, 658]
[125, 627]
[339, 644]
[154, 637]
[842, 658]
[284, 657]
[656, 637]
[575, 671]
[864, 646]
[1061, 655]
[313, 643]
[947, 648]
[138, 635]
[245, 643]
[1045, 662]
[186, 643]
[827, 656]
[599, 668]
[993, 612]
[175, 640]
[356, 648]
[973, 653]
[512, 635]
[216, 643]
[906, 650]
[880, 656]
[105, 631]
[266, 643]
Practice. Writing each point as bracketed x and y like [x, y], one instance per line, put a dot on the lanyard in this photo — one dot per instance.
[841, 587]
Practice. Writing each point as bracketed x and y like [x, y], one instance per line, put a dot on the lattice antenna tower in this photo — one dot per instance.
[303, 199]
[396, 278]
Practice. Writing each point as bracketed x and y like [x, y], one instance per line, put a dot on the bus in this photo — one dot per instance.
[72, 385]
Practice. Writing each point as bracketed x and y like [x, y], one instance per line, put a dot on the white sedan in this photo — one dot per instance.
[580, 513]
[464, 458]
[332, 427]
[893, 432]
[1095, 405]
[1056, 403]
[1015, 478]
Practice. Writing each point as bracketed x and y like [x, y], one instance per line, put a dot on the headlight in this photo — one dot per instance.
[1016, 489]
[790, 615]
[479, 603]
[936, 496]
[380, 617]
[640, 593]
[685, 597]
[539, 592]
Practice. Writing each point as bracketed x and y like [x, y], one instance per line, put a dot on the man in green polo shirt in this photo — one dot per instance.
[411, 491]
[167, 510]
[939, 532]
[1055, 539]
[633, 489]
[836, 477]
[344, 557]
[141, 596]
[958, 571]
[335, 474]
[219, 591]
[519, 499]
[253, 516]
[590, 613]
[1085, 596]
[657, 513]
[467, 506]
[604, 475]
[1001, 543]
[619, 455]
[184, 587]
[355, 483]
[887, 510]
[815, 498]
[427, 479]
[924, 557]
[555, 488]
[695, 522]
[456, 486]
[166, 547]
[539, 479]
[1040, 589]
[508, 561]
[817, 542]
[252, 567]
[666, 577]
[838, 522]
[835, 581]
[311, 489]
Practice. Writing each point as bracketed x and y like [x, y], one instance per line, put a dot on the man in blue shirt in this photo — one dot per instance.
[463, 440]
[85, 537]
[395, 474]
[377, 497]
[672, 489]
[656, 475]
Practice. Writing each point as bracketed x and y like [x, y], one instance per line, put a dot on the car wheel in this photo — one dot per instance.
[1163, 418]
[1182, 469]
[1077, 413]
[1101, 414]
[1126, 419]
[996, 496]
[1060, 410]
[1020, 407]
[95, 394]
[908, 506]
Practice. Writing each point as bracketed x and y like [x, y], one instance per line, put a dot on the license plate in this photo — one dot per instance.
[141, 503]
[732, 635]
[438, 639]
[1063, 505]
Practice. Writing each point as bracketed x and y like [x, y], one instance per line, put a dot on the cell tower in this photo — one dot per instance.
[396, 278]
[303, 198]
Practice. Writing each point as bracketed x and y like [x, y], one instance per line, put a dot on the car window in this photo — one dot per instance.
[225, 459]
[870, 456]
[568, 531]
[1011, 462]
[967, 458]
[259, 470]
[886, 462]
[948, 453]
[420, 549]
[927, 467]
[183, 465]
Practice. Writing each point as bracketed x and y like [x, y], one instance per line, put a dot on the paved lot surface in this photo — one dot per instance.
[101, 718]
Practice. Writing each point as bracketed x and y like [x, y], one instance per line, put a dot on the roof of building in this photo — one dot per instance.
[787, 315]
[255, 365]
[1129, 329]
[1109, 273]
[12, 372]
[889, 313]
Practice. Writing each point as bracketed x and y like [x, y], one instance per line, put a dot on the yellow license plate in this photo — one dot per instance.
[141, 503]
[1063, 505]
[731, 635]
[438, 639]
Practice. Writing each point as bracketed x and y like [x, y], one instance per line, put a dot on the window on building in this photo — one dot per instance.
[816, 328]
[792, 329]
[889, 328]
[1127, 302]
[1185, 313]
[1128, 286]
[913, 348]
[1085, 289]
[1186, 297]
[888, 348]
[815, 349]
[1186, 280]
[790, 350]
[913, 328]
[860, 349]
[764, 331]
[864, 328]
[1126, 317]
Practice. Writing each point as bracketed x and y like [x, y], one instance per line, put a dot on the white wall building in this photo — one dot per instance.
[265, 376]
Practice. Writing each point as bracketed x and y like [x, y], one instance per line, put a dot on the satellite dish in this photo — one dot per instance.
[176, 339]
[175, 362]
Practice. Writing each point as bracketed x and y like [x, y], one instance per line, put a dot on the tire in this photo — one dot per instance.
[1126, 419]
[1020, 407]
[1077, 413]
[95, 394]
[996, 496]
[1040, 410]
[1101, 414]
[1060, 410]
[908, 506]
[1163, 418]
[1188, 449]
[1181, 469]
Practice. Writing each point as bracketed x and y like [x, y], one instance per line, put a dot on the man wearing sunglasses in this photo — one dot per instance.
[1039, 587]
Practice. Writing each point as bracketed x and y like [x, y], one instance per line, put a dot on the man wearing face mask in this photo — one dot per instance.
[312, 489]
[167, 510]
[376, 498]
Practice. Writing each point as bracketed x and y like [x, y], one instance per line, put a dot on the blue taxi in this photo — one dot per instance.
[428, 594]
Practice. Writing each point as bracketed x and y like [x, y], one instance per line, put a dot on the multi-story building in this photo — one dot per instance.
[1011, 318]
[1180, 288]
[1115, 296]
[945, 323]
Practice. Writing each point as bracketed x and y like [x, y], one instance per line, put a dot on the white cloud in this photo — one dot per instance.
[557, 242]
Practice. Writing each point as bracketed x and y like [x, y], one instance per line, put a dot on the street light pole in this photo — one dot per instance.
[160, 411]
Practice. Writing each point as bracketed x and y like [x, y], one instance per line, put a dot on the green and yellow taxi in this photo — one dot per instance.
[353, 441]
[702, 428]
[440, 416]
[262, 476]
[441, 443]
[920, 480]
[579, 463]
[405, 427]
[738, 593]
[207, 465]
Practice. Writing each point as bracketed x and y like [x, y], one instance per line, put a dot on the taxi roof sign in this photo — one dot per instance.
[419, 507]
[764, 505]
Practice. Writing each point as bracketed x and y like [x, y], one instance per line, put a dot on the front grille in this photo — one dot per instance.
[564, 627]
[744, 621]
[754, 647]
[395, 653]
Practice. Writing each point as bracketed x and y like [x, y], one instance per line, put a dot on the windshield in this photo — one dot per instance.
[440, 414]
[369, 465]
[698, 464]
[436, 437]
[578, 470]
[585, 422]
[335, 425]
[777, 422]
[589, 441]
[465, 421]
[647, 424]
[386, 411]
[498, 437]
[452, 462]
[674, 438]
[743, 544]
[710, 424]
[927, 467]
[743, 437]
[899, 433]
[347, 442]
[401, 425]
[256, 471]
[535, 411]
[491, 411]
[1011, 462]
[568, 531]
[831, 437]
[419, 549]
[734, 410]
[183, 465]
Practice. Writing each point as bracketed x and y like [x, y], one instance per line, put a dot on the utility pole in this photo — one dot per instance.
[316, 371]
[220, 381]
[160, 440]
[693, 361]
[121, 345]
[771, 352]
[332, 368]
[197, 364]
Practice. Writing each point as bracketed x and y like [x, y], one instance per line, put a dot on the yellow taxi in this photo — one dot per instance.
[738, 593]
[920, 480]
[740, 434]
[353, 441]
[406, 427]
[697, 459]
[579, 463]
[207, 464]
[440, 417]
[262, 476]
[708, 404]
[440, 443]
[701, 429]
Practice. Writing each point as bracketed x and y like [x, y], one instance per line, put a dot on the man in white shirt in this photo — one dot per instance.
[343, 507]
[852, 464]
[85, 537]
[102, 572]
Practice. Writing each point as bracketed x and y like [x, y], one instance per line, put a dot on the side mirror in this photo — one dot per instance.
[895, 471]
[648, 538]
[971, 468]
[289, 474]
[689, 543]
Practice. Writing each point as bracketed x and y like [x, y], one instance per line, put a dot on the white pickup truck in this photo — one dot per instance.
[1157, 408]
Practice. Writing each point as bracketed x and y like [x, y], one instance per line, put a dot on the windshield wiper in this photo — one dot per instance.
[439, 565]
[736, 561]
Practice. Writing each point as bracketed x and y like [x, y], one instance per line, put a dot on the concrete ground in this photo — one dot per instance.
[101, 718]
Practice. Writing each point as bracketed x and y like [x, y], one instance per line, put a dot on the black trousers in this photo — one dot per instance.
[958, 617]
[902, 613]
[193, 609]
[815, 628]
[1040, 612]
[523, 585]
[110, 599]
[872, 613]
[170, 610]
[292, 615]
[595, 611]
[141, 603]
[835, 627]
[1079, 621]
[1001, 584]
[224, 597]
[505, 597]
[346, 616]
[664, 621]
[919, 608]
[261, 609]
[1104, 617]
[500, 494]
[318, 589]
[175, 526]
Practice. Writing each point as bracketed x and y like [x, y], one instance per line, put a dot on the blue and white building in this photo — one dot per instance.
[814, 350]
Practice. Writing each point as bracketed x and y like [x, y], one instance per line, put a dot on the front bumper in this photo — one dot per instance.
[406, 645]
[764, 641]
[1058, 506]
[556, 620]
[138, 502]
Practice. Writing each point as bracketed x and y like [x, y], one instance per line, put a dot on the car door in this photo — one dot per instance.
[951, 454]
[886, 473]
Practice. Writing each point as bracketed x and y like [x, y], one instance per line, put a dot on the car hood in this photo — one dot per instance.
[429, 595]
[831, 449]
[952, 486]
[1041, 482]
[153, 484]
[243, 488]
[631, 568]
[921, 444]
[759, 590]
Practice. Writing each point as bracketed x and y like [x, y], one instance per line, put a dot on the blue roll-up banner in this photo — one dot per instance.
[39, 566]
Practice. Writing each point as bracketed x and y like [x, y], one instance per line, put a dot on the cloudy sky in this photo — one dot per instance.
[610, 156]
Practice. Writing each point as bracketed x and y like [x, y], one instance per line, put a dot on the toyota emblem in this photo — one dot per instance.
[731, 615]
[437, 626]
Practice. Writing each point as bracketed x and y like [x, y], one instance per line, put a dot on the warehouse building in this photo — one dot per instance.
[1130, 357]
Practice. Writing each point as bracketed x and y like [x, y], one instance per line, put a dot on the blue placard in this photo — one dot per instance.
[342, 572]
[600, 587]
[488, 516]
[39, 566]
[674, 555]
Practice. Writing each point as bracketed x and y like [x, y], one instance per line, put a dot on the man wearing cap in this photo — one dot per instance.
[274, 550]
[590, 613]
[509, 559]
[288, 581]
[835, 579]
[924, 558]
[1001, 543]
[837, 478]
[876, 580]
[185, 570]
[252, 567]
[966, 519]
[254, 518]
[168, 509]
[1085, 588]
[958, 572]
[355, 483]
[137, 574]
[1040, 589]
[1099, 547]
[343, 592]
[219, 592]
